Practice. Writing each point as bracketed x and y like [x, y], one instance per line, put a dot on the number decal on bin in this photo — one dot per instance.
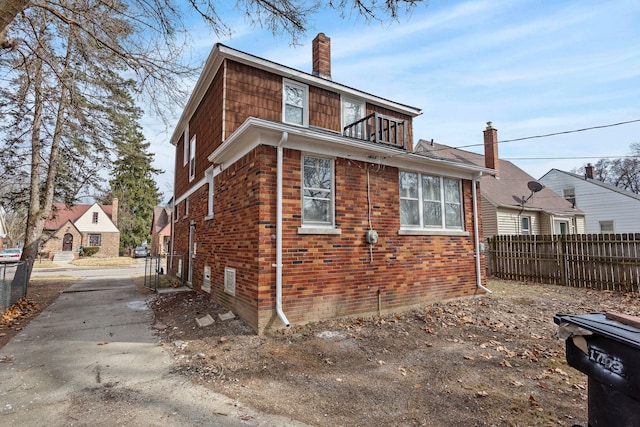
[610, 363]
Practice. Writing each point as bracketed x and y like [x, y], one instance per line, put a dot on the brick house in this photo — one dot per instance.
[160, 230]
[70, 227]
[299, 199]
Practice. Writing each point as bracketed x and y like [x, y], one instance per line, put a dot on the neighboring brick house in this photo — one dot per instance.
[160, 230]
[71, 227]
[299, 199]
[509, 206]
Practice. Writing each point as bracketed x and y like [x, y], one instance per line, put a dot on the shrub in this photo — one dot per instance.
[90, 250]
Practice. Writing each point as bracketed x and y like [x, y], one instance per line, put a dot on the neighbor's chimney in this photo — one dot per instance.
[588, 171]
[491, 148]
[114, 211]
[321, 52]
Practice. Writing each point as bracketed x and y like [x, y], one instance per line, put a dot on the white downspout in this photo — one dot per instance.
[278, 264]
[476, 233]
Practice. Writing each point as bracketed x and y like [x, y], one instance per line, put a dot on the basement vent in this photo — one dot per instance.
[230, 281]
[206, 280]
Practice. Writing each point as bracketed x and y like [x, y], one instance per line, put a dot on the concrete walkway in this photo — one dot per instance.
[91, 359]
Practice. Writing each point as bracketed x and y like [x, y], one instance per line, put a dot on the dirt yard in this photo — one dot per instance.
[487, 361]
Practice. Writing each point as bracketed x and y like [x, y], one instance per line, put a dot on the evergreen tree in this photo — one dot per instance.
[132, 179]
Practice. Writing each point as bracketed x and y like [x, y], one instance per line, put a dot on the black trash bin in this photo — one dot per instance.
[608, 351]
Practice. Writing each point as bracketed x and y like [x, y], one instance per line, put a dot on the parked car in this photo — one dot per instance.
[10, 255]
[141, 252]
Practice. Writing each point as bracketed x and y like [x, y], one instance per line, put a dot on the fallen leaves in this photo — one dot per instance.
[18, 310]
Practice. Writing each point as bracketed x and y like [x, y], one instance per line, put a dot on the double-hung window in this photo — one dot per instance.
[317, 191]
[295, 103]
[430, 202]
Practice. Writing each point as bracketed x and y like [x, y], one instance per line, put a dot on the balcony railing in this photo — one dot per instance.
[380, 129]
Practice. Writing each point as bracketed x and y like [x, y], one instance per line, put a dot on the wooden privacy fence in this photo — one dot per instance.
[601, 261]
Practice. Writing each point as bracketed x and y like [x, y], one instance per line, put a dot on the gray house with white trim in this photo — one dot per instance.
[608, 209]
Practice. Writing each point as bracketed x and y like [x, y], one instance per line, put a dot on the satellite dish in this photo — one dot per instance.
[534, 186]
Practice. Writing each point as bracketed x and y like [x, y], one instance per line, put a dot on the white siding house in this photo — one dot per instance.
[608, 209]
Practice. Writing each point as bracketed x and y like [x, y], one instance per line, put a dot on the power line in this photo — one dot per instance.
[569, 158]
[556, 133]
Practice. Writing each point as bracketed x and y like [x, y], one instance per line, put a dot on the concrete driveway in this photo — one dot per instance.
[92, 359]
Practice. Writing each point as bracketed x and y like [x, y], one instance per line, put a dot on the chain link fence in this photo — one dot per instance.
[13, 283]
[160, 272]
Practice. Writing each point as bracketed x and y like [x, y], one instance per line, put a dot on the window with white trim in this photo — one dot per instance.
[570, 195]
[430, 202]
[94, 239]
[94, 218]
[317, 191]
[211, 192]
[185, 147]
[295, 103]
[525, 225]
[352, 111]
[606, 227]
[192, 158]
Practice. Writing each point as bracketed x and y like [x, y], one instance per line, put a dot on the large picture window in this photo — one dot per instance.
[430, 201]
[317, 191]
[295, 103]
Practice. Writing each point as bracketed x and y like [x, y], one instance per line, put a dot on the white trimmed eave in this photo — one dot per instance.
[254, 132]
[221, 52]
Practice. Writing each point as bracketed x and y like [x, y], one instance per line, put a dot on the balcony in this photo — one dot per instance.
[380, 129]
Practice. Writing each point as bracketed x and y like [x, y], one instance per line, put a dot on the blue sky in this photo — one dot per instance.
[530, 67]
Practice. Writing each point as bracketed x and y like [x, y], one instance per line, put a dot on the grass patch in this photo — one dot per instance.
[45, 263]
[122, 261]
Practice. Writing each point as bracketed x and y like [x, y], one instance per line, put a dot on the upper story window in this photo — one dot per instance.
[317, 191]
[429, 201]
[352, 111]
[295, 100]
[570, 195]
[192, 158]
[94, 219]
[185, 148]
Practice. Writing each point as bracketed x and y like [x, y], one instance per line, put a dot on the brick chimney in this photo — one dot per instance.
[491, 148]
[588, 171]
[321, 52]
[114, 211]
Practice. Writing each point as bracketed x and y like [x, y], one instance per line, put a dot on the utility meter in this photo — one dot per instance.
[371, 237]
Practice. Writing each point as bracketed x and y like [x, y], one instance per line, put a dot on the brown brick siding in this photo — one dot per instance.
[324, 275]
[54, 243]
[109, 242]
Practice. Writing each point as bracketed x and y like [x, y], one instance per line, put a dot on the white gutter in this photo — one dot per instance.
[278, 264]
[476, 233]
